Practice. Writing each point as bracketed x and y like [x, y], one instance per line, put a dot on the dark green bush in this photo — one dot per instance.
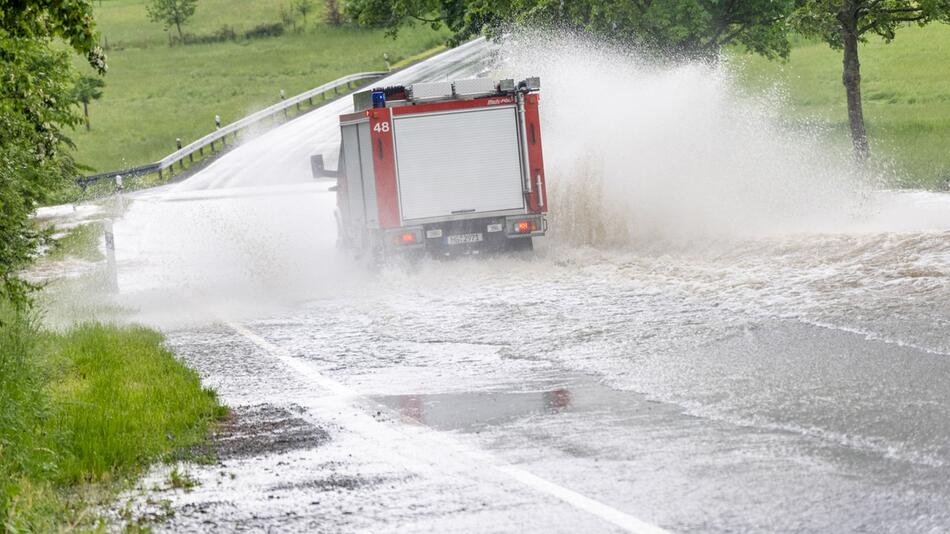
[265, 30]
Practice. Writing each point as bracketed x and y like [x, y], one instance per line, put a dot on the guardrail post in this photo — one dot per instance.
[112, 271]
[120, 191]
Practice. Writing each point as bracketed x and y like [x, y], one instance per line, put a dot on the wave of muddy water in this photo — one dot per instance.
[745, 362]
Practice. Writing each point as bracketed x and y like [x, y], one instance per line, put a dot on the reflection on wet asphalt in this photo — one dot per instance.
[472, 411]
[741, 453]
[670, 387]
[313, 461]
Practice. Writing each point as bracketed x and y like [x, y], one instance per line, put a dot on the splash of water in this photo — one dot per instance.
[638, 155]
[638, 150]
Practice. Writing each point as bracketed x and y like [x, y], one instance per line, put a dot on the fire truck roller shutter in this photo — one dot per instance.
[369, 176]
[464, 161]
[354, 179]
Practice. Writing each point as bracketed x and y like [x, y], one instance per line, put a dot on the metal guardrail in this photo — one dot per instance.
[132, 171]
[221, 135]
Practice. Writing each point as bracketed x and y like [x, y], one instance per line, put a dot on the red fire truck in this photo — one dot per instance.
[443, 168]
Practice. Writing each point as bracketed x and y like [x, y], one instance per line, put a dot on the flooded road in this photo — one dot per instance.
[794, 380]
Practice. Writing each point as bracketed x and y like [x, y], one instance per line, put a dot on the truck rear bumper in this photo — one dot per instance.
[467, 236]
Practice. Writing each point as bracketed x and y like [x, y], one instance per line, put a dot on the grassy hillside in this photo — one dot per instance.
[155, 93]
[906, 89]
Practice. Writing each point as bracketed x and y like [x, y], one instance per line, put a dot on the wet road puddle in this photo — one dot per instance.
[475, 410]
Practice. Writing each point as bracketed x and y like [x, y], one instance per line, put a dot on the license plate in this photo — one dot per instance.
[464, 238]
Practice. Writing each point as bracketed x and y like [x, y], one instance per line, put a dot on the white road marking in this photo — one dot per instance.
[596, 508]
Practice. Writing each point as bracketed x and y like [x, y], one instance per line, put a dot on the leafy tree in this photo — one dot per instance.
[172, 12]
[845, 23]
[303, 7]
[87, 89]
[36, 104]
[687, 27]
[463, 18]
[684, 27]
[333, 16]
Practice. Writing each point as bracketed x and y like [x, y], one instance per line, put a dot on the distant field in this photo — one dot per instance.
[155, 93]
[906, 89]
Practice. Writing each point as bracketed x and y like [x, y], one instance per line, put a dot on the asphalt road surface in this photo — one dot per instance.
[791, 382]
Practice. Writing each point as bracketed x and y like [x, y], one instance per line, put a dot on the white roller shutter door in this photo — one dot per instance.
[461, 162]
[354, 178]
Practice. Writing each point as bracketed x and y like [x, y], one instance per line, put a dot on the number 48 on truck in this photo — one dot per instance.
[443, 168]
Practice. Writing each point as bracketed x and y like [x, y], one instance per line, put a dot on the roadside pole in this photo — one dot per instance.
[112, 270]
[112, 274]
[119, 190]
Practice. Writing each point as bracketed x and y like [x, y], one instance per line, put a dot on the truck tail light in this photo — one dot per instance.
[401, 237]
[525, 225]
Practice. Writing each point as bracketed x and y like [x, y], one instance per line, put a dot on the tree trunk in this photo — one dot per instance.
[85, 109]
[181, 37]
[852, 80]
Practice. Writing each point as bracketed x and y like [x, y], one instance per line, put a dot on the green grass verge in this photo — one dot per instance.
[905, 92]
[78, 242]
[155, 93]
[84, 412]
